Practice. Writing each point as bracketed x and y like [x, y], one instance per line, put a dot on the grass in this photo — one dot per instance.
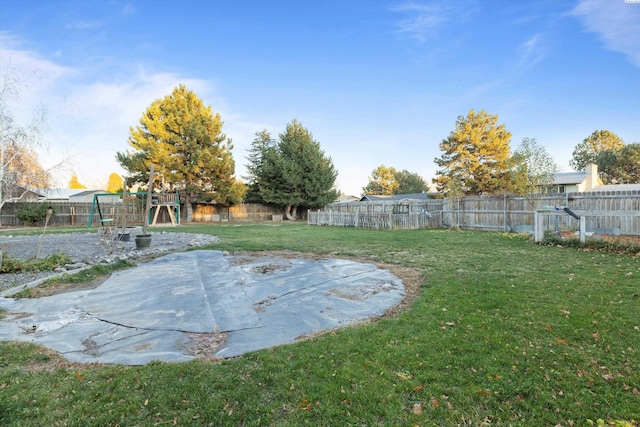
[70, 281]
[49, 263]
[504, 332]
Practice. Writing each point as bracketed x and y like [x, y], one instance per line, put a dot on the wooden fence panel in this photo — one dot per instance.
[494, 213]
[236, 213]
[68, 213]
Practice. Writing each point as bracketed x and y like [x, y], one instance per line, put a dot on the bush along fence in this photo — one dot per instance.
[609, 212]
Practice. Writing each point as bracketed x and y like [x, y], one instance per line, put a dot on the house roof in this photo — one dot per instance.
[57, 193]
[20, 191]
[567, 178]
[65, 193]
[87, 193]
[616, 187]
[393, 198]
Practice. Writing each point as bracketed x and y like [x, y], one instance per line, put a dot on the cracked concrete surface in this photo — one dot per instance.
[202, 303]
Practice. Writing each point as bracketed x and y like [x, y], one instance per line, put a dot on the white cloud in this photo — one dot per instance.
[423, 21]
[616, 22]
[88, 117]
[532, 51]
[84, 25]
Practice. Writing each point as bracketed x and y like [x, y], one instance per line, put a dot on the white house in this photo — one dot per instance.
[576, 182]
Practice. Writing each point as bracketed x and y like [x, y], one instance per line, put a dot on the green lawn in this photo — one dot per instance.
[504, 332]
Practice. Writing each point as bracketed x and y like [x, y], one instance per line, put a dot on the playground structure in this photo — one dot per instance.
[112, 216]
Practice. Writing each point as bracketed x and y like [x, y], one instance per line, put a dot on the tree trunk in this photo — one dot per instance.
[291, 212]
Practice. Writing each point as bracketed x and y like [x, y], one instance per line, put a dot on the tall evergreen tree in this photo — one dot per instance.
[259, 145]
[294, 172]
[183, 139]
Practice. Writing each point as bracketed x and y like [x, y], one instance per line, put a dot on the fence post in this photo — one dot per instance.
[583, 229]
[538, 227]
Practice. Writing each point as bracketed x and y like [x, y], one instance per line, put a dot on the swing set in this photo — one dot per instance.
[169, 201]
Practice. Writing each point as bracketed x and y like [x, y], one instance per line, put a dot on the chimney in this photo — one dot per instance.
[593, 180]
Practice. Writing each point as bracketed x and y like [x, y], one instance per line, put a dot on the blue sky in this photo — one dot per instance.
[375, 82]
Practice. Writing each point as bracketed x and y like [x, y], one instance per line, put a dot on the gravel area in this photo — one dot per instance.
[86, 249]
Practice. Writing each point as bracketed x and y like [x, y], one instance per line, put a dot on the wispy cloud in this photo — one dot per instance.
[84, 25]
[616, 22]
[532, 50]
[424, 21]
[89, 119]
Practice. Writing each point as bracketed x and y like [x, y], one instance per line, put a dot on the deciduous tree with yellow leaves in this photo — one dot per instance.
[114, 184]
[74, 183]
[476, 155]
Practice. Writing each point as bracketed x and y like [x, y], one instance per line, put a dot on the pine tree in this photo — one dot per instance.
[294, 172]
[183, 139]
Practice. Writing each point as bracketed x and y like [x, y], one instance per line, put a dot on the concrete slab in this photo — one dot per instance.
[173, 308]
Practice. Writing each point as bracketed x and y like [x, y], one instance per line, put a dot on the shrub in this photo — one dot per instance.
[34, 213]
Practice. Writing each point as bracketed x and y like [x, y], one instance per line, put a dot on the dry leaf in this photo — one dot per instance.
[435, 403]
[417, 409]
[596, 336]
[608, 377]
[561, 341]
[404, 375]
[418, 387]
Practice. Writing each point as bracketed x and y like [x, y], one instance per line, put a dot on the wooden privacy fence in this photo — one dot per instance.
[609, 213]
[375, 220]
[68, 213]
[236, 213]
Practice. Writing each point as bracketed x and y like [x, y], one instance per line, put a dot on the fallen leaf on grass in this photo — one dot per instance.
[435, 403]
[404, 375]
[417, 409]
[562, 341]
[596, 336]
[608, 377]
[418, 387]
